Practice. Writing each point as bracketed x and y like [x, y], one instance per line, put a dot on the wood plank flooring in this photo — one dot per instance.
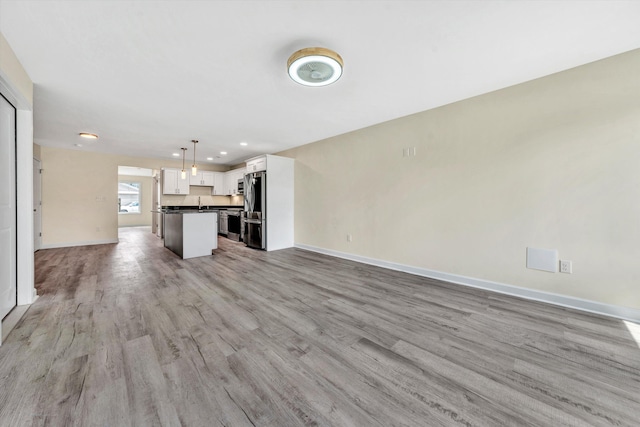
[128, 334]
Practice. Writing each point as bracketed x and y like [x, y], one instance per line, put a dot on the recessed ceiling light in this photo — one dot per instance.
[78, 145]
[315, 66]
[224, 153]
[209, 158]
[243, 143]
[88, 135]
[176, 155]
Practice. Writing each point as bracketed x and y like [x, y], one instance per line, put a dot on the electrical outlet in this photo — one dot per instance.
[565, 266]
[349, 239]
[409, 152]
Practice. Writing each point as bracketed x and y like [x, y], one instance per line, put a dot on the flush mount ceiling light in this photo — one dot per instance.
[315, 66]
[88, 135]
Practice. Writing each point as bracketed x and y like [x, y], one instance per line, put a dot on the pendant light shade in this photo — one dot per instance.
[315, 66]
[194, 168]
[183, 174]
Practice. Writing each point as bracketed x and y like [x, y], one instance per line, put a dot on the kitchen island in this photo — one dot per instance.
[191, 234]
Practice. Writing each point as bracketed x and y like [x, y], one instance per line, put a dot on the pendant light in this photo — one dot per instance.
[183, 175]
[315, 66]
[194, 168]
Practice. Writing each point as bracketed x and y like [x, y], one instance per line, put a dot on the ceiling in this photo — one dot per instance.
[150, 76]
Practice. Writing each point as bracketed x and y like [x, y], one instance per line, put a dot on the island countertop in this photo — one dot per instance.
[204, 207]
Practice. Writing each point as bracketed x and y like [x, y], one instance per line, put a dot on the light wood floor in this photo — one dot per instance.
[129, 334]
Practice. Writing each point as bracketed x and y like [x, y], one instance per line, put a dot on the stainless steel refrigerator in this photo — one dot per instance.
[255, 207]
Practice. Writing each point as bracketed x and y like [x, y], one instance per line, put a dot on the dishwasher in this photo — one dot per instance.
[234, 224]
[223, 222]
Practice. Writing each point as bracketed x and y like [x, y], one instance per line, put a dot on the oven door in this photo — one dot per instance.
[254, 233]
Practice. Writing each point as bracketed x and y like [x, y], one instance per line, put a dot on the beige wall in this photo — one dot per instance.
[143, 217]
[553, 163]
[80, 194]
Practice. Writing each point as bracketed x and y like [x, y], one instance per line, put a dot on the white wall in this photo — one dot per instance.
[552, 163]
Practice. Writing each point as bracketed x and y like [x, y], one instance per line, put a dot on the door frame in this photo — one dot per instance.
[37, 201]
[13, 192]
[24, 191]
[154, 203]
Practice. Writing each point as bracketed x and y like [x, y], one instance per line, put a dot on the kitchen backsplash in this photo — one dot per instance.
[206, 199]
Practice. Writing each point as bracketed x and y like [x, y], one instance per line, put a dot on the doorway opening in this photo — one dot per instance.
[135, 194]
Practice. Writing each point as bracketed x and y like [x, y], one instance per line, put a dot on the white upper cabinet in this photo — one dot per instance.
[208, 178]
[218, 188]
[172, 182]
[195, 179]
[257, 164]
[231, 181]
[202, 178]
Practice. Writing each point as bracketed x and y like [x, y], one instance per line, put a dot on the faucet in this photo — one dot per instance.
[199, 203]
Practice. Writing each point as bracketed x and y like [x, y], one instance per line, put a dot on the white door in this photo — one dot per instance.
[37, 205]
[7, 207]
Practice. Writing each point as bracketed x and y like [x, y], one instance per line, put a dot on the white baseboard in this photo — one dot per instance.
[83, 243]
[619, 312]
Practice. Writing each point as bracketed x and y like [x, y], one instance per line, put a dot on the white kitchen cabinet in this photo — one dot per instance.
[172, 182]
[195, 179]
[208, 178]
[257, 164]
[231, 181]
[202, 178]
[218, 188]
[191, 234]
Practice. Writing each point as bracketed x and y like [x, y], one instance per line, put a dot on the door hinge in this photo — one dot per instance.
[40, 234]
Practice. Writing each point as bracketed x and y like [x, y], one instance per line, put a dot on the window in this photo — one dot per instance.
[128, 197]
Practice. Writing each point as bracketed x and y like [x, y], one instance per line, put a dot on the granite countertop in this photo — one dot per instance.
[195, 209]
[205, 207]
